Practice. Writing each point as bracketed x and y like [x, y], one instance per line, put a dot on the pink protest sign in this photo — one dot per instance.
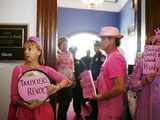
[158, 61]
[150, 59]
[33, 86]
[88, 84]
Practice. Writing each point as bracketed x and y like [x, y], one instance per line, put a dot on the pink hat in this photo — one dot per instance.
[36, 40]
[110, 31]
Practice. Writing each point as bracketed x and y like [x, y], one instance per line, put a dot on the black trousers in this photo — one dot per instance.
[77, 99]
[94, 113]
[64, 98]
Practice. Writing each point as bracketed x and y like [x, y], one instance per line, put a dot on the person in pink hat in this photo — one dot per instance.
[35, 110]
[111, 80]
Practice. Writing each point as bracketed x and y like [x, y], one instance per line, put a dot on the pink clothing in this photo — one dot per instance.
[42, 112]
[148, 95]
[114, 66]
[65, 64]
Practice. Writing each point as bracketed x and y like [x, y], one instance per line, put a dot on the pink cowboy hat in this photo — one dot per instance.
[110, 31]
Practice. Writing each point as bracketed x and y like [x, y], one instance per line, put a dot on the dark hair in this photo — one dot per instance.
[97, 43]
[73, 49]
[118, 42]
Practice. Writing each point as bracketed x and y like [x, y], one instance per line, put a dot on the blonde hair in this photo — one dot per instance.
[32, 43]
[61, 40]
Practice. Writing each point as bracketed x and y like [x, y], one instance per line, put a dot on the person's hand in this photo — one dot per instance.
[82, 83]
[97, 97]
[33, 104]
[150, 77]
[70, 83]
[53, 89]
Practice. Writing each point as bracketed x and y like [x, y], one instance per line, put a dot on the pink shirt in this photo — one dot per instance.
[42, 112]
[114, 66]
[65, 64]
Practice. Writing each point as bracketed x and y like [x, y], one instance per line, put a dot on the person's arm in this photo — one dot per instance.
[14, 85]
[60, 79]
[54, 88]
[114, 69]
[73, 69]
[136, 81]
[119, 88]
[58, 61]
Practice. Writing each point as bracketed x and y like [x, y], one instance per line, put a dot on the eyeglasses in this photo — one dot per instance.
[106, 38]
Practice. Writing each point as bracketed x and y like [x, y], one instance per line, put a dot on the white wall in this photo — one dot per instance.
[19, 12]
[14, 12]
[5, 80]
[143, 22]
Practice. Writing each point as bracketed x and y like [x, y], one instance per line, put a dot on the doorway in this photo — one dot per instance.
[83, 42]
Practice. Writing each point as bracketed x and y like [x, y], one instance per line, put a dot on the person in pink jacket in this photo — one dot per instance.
[111, 80]
[36, 110]
[146, 86]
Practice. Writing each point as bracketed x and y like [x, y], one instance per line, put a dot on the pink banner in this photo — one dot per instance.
[33, 87]
[151, 59]
[88, 84]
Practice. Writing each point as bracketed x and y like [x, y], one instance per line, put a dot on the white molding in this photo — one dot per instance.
[107, 6]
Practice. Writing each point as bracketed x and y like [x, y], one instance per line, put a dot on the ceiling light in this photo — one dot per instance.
[92, 3]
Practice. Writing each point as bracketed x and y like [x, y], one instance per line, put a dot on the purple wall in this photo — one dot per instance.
[126, 17]
[71, 21]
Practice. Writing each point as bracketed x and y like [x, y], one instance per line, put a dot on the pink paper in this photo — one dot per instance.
[88, 84]
[33, 88]
[158, 61]
[150, 59]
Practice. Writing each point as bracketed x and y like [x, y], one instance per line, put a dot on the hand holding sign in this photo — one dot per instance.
[97, 97]
[87, 84]
[53, 89]
[150, 59]
[33, 104]
[150, 77]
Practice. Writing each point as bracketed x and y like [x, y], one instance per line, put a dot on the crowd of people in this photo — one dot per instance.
[109, 73]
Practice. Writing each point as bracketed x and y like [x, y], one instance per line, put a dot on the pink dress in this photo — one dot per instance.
[113, 66]
[44, 111]
[148, 96]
